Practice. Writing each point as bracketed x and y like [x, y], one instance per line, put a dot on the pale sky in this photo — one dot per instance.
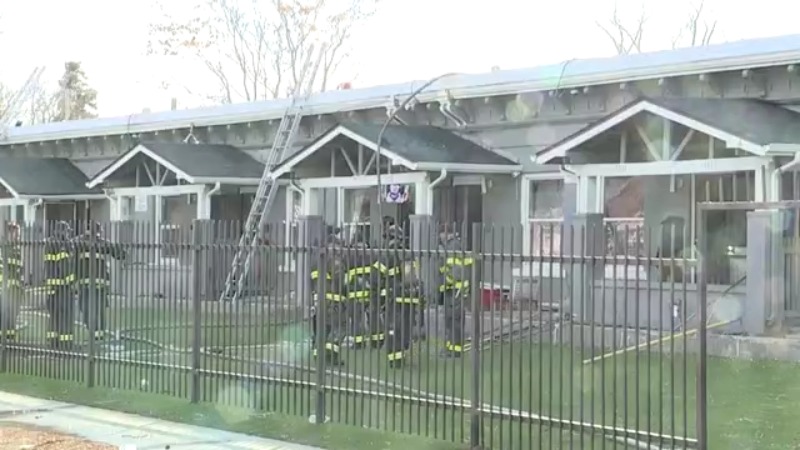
[406, 40]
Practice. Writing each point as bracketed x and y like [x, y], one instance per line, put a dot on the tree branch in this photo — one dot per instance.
[254, 52]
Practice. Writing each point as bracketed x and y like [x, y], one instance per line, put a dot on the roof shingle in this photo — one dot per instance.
[43, 176]
[429, 144]
[207, 160]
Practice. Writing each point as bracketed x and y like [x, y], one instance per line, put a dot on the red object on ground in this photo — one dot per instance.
[492, 296]
[344, 86]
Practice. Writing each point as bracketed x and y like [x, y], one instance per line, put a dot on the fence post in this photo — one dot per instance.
[701, 419]
[310, 237]
[4, 300]
[476, 281]
[91, 303]
[589, 243]
[764, 309]
[422, 240]
[199, 228]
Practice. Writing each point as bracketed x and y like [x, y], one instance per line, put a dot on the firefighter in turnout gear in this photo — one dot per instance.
[59, 271]
[11, 279]
[330, 306]
[454, 288]
[362, 281]
[403, 297]
[94, 278]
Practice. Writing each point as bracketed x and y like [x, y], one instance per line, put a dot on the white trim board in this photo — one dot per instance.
[8, 188]
[694, 166]
[339, 130]
[124, 159]
[165, 191]
[179, 174]
[363, 181]
[395, 159]
[731, 140]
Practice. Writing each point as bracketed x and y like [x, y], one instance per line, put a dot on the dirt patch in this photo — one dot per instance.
[15, 436]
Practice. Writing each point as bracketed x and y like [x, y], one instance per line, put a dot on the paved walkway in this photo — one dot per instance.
[128, 431]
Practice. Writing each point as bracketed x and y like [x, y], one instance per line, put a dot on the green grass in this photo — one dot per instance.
[751, 404]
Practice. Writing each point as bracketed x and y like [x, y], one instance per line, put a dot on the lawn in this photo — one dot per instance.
[751, 404]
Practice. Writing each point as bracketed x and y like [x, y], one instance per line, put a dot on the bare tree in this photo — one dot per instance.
[6, 95]
[627, 36]
[697, 29]
[254, 49]
[44, 106]
[40, 105]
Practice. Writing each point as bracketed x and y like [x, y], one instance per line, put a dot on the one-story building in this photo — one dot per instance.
[639, 139]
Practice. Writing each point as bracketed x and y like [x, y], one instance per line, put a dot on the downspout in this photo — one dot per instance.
[215, 189]
[795, 161]
[212, 191]
[295, 187]
[433, 184]
[439, 179]
[445, 109]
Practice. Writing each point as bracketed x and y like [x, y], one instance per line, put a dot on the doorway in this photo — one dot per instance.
[459, 207]
[76, 213]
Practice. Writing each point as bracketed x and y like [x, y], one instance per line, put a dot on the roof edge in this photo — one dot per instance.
[375, 97]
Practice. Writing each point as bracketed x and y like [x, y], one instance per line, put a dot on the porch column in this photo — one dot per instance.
[423, 201]
[569, 200]
[204, 203]
[113, 209]
[310, 203]
[29, 212]
[423, 236]
[310, 234]
[763, 309]
[588, 242]
[589, 194]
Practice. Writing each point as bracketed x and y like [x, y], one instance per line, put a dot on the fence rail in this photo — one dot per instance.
[512, 360]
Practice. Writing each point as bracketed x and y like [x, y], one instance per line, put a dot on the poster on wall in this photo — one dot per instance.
[397, 193]
[140, 203]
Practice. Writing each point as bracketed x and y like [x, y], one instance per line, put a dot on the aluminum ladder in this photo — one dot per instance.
[15, 104]
[267, 186]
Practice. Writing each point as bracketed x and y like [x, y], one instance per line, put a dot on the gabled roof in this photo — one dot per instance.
[756, 126]
[414, 147]
[193, 163]
[751, 53]
[43, 178]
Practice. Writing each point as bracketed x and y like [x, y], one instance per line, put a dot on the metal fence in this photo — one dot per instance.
[536, 352]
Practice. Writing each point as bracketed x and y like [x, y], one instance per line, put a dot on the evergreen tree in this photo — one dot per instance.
[76, 99]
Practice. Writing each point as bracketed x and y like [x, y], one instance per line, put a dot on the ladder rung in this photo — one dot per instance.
[265, 194]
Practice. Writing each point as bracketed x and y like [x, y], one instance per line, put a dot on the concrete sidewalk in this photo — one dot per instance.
[127, 431]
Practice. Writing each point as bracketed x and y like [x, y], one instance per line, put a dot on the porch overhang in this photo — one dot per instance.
[44, 179]
[416, 148]
[758, 127]
[191, 163]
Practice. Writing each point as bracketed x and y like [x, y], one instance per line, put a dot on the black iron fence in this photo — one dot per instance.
[486, 343]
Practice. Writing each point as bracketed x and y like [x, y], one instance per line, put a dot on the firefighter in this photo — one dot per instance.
[455, 271]
[11, 278]
[403, 299]
[365, 296]
[328, 297]
[59, 270]
[94, 278]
